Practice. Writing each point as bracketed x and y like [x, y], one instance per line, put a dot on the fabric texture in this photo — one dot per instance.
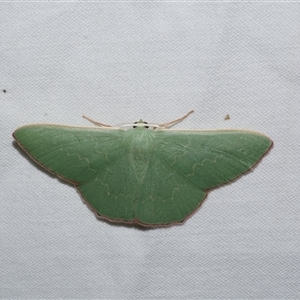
[117, 62]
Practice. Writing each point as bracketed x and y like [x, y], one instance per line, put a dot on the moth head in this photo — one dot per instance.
[140, 124]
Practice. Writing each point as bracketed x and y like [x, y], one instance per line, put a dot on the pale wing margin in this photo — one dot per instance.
[211, 158]
[73, 153]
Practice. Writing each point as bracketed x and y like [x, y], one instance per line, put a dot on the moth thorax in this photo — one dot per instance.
[141, 153]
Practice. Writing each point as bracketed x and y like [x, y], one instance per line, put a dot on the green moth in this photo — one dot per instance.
[145, 174]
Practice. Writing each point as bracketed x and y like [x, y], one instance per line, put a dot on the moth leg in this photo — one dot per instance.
[172, 123]
[96, 123]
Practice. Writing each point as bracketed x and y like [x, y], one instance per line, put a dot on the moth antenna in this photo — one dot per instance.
[95, 122]
[172, 123]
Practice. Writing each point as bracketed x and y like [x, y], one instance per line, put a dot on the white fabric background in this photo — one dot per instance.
[119, 62]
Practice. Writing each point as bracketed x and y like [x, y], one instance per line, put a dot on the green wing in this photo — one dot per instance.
[76, 154]
[211, 158]
[166, 196]
[189, 163]
[88, 157]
